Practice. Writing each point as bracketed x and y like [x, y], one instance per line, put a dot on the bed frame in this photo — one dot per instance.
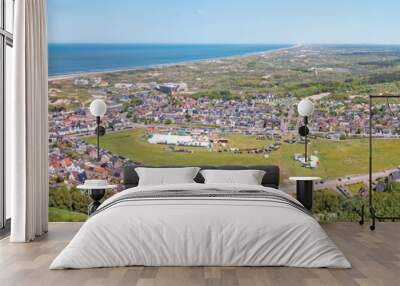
[270, 179]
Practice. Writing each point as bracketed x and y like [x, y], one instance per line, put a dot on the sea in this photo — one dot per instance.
[67, 59]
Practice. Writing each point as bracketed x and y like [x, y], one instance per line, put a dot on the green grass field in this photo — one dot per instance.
[56, 214]
[337, 158]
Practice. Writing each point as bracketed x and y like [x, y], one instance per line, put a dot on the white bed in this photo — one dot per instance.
[202, 231]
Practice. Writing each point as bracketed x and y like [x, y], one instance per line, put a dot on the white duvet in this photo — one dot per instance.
[200, 231]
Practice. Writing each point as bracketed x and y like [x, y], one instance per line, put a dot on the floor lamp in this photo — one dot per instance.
[98, 108]
[305, 109]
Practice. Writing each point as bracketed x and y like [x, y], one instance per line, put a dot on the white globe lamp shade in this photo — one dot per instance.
[305, 107]
[98, 107]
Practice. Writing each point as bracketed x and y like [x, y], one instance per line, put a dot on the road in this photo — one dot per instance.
[290, 187]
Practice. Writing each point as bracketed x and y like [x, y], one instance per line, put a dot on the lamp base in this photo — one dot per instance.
[304, 193]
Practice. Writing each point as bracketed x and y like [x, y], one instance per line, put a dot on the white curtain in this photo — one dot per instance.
[26, 117]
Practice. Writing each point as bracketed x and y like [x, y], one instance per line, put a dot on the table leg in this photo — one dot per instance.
[96, 196]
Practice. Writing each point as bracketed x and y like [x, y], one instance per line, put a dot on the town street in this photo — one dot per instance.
[290, 187]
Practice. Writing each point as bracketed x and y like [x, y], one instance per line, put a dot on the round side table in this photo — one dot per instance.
[96, 193]
[305, 189]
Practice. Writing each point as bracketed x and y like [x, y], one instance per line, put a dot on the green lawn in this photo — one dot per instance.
[337, 158]
[241, 141]
[133, 144]
[56, 214]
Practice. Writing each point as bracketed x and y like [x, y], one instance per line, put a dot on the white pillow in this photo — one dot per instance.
[166, 176]
[247, 177]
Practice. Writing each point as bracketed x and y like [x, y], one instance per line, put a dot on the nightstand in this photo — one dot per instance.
[305, 189]
[96, 190]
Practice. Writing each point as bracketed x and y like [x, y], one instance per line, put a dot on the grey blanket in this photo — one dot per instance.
[205, 194]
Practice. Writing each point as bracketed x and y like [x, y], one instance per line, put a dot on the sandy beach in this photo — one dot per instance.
[142, 68]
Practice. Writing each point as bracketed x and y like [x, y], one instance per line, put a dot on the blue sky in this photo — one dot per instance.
[224, 21]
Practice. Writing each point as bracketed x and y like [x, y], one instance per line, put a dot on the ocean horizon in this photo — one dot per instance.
[70, 59]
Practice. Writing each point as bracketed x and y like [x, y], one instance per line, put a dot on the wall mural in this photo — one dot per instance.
[225, 104]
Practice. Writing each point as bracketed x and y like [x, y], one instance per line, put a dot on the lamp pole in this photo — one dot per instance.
[305, 138]
[98, 137]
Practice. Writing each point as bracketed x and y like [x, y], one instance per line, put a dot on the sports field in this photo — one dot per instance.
[337, 158]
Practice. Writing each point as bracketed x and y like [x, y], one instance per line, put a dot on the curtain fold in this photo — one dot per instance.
[27, 145]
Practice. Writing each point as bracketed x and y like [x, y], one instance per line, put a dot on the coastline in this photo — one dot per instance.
[143, 68]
